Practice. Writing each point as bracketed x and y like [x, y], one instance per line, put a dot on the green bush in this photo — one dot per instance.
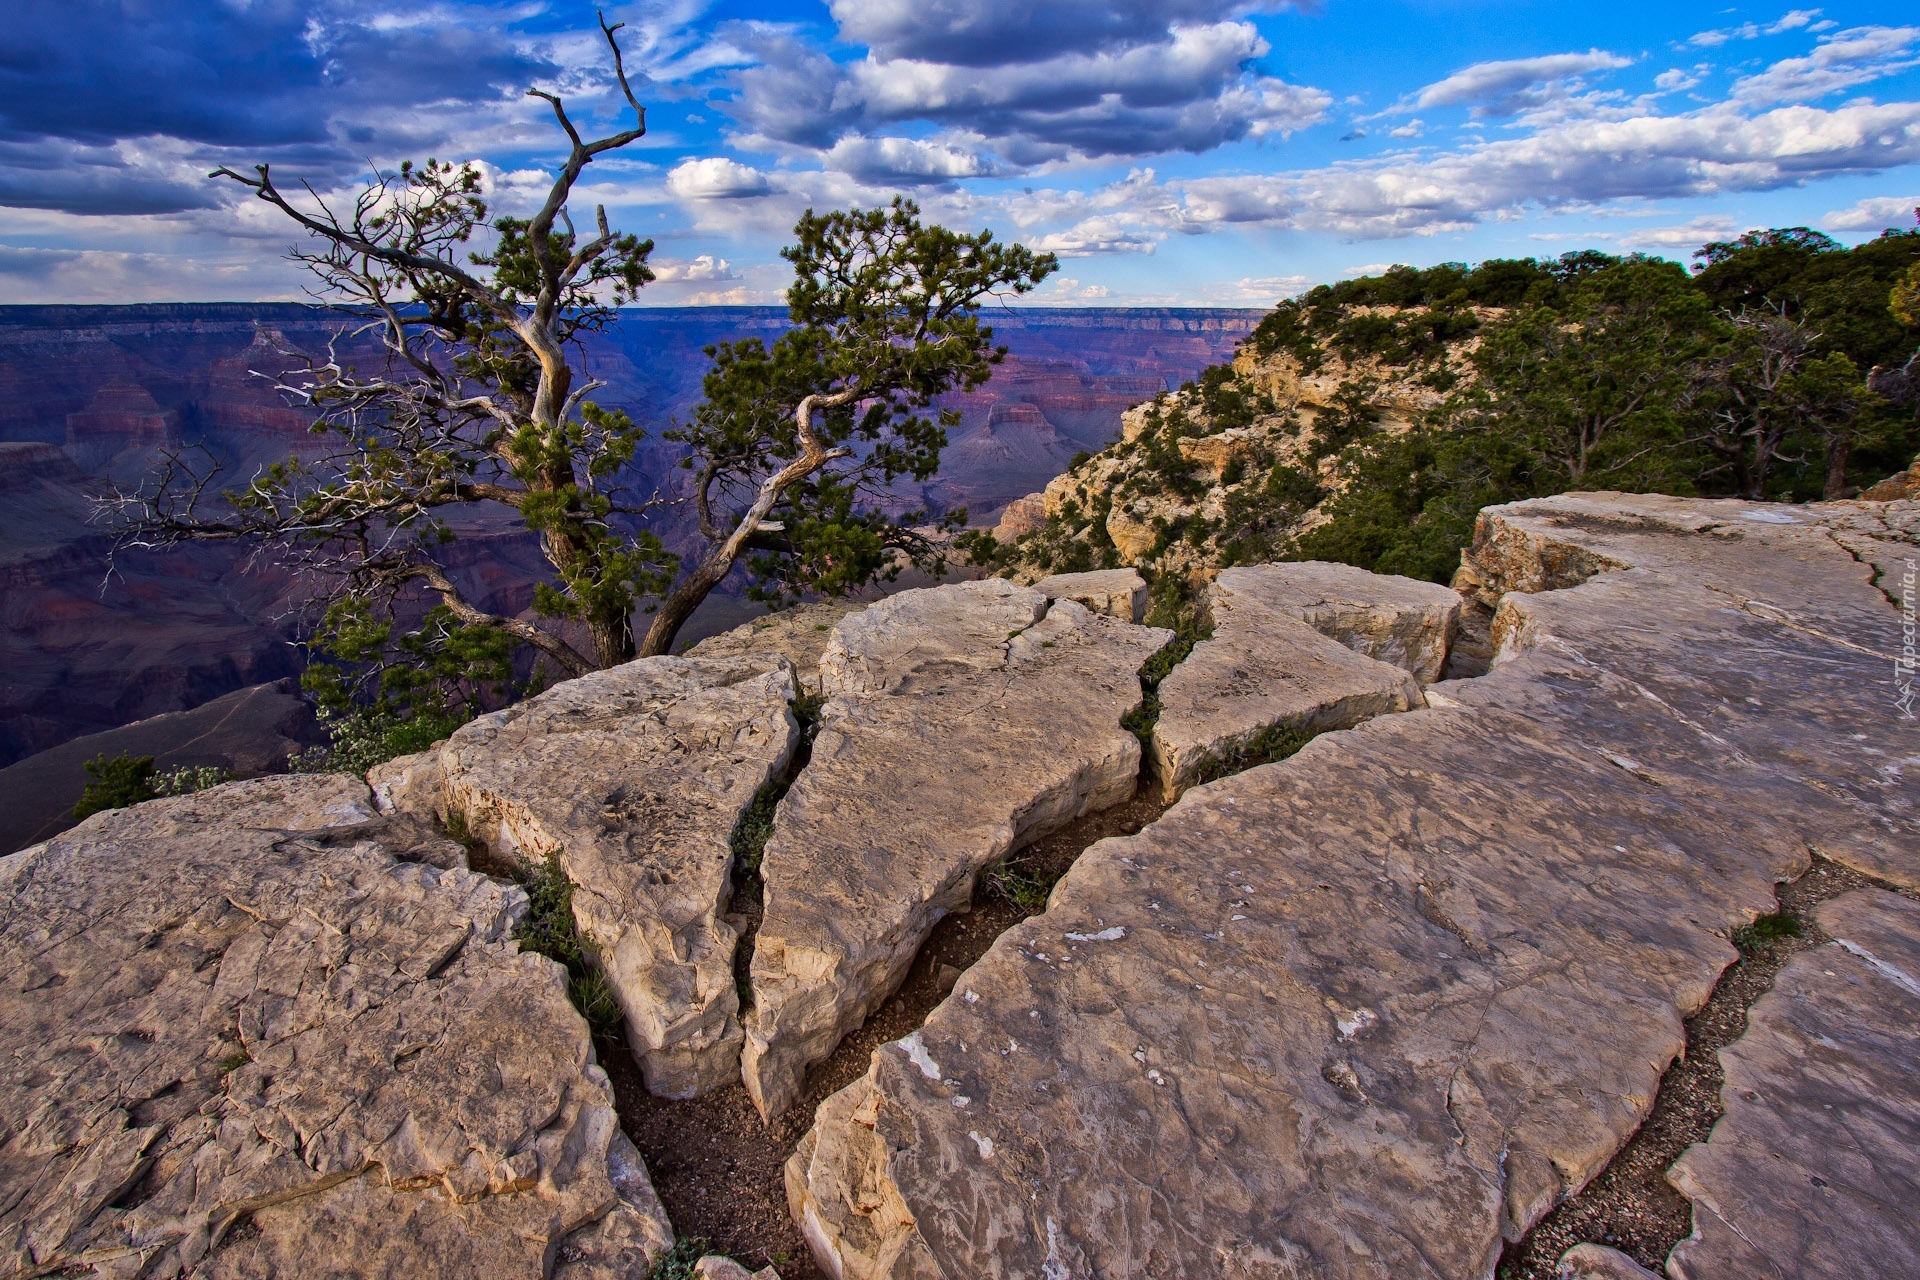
[549, 929]
[117, 783]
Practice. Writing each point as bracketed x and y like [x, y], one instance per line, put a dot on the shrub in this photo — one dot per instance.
[117, 783]
[550, 930]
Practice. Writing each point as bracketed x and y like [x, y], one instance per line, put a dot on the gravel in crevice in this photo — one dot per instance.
[1630, 1205]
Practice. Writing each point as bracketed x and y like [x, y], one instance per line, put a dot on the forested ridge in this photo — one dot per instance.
[1368, 421]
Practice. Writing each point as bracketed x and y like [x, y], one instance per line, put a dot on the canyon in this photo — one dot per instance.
[91, 395]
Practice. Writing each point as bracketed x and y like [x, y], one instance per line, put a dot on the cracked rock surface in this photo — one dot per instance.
[1373, 1010]
[1813, 1171]
[1118, 593]
[241, 1038]
[799, 635]
[1271, 664]
[961, 722]
[634, 778]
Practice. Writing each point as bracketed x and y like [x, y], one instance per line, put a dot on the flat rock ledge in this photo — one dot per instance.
[1270, 663]
[240, 1038]
[1118, 593]
[1813, 1170]
[961, 722]
[799, 635]
[1372, 1011]
[634, 778]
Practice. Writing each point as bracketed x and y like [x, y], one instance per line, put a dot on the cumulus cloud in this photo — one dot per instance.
[1094, 236]
[987, 33]
[1875, 213]
[702, 269]
[1142, 87]
[906, 161]
[1510, 86]
[1840, 61]
[1687, 235]
[716, 178]
[1579, 162]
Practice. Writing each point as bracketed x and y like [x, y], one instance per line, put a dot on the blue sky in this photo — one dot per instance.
[1173, 152]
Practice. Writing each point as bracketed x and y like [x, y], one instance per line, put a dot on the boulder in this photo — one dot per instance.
[1118, 593]
[961, 723]
[1597, 1262]
[634, 778]
[1402, 621]
[1335, 1015]
[799, 635]
[1264, 669]
[1813, 1170]
[242, 1039]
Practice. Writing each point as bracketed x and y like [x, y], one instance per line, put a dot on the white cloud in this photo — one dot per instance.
[1510, 86]
[1688, 235]
[716, 178]
[1411, 129]
[1875, 213]
[706, 267]
[906, 160]
[1715, 150]
[1674, 80]
[1839, 61]
[995, 32]
[1093, 236]
[1791, 21]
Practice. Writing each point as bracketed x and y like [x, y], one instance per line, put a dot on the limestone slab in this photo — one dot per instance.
[962, 722]
[1118, 593]
[1597, 1262]
[634, 778]
[1402, 621]
[799, 635]
[1336, 1015]
[238, 1007]
[1813, 1170]
[1265, 667]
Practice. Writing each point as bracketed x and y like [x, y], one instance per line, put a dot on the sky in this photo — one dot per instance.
[1171, 152]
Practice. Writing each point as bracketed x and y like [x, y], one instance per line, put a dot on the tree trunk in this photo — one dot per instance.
[612, 641]
[1839, 449]
[681, 602]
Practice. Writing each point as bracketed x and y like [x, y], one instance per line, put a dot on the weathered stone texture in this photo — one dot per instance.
[1118, 593]
[1266, 667]
[962, 722]
[1402, 621]
[237, 1007]
[1597, 1262]
[799, 635]
[1336, 1016]
[634, 778]
[1813, 1171]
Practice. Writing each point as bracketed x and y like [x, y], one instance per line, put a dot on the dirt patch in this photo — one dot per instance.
[720, 1172]
[1630, 1206]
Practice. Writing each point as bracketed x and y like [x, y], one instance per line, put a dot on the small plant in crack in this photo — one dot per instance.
[1175, 607]
[678, 1262]
[1774, 927]
[1275, 742]
[1021, 885]
[550, 930]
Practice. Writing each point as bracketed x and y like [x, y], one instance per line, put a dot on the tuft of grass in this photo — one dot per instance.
[755, 827]
[1276, 742]
[1020, 886]
[234, 1061]
[677, 1262]
[1767, 930]
[550, 930]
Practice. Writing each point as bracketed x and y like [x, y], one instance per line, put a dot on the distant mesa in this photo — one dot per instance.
[123, 415]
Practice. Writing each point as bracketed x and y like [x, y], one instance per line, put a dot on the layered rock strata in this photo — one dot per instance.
[1813, 1170]
[961, 722]
[1337, 1015]
[238, 1009]
[1270, 664]
[634, 778]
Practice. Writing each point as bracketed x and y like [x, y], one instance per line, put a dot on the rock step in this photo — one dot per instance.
[634, 779]
[1376, 1009]
[1813, 1170]
[961, 722]
[242, 1006]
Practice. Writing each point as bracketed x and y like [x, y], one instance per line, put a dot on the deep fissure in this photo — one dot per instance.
[1629, 1205]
